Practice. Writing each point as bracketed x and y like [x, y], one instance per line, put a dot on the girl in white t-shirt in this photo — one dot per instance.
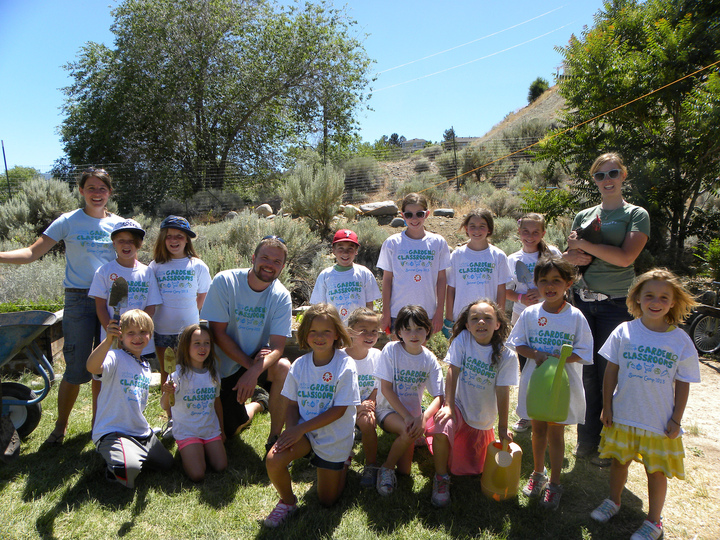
[651, 363]
[531, 232]
[195, 402]
[414, 263]
[540, 332]
[183, 280]
[477, 270]
[364, 325]
[477, 391]
[322, 393]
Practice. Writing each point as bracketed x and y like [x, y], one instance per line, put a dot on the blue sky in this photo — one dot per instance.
[466, 63]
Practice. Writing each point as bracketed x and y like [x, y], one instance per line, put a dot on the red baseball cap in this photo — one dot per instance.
[345, 235]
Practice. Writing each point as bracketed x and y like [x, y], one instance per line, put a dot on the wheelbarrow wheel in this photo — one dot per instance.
[705, 333]
[25, 418]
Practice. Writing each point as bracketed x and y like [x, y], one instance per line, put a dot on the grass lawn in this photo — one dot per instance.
[62, 493]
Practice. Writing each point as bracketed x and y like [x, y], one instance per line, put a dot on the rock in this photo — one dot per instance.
[231, 215]
[271, 216]
[444, 212]
[382, 208]
[264, 210]
[397, 222]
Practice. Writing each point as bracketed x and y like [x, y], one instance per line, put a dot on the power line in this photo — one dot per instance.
[470, 42]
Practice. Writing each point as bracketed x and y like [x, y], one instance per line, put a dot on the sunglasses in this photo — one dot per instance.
[421, 214]
[273, 237]
[600, 176]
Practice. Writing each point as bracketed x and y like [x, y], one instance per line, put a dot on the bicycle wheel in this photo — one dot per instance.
[705, 333]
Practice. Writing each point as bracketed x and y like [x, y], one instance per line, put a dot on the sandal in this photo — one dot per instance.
[54, 439]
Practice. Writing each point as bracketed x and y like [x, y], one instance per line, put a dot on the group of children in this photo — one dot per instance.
[345, 383]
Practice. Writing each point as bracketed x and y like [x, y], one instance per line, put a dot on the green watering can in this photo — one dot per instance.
[548, 393]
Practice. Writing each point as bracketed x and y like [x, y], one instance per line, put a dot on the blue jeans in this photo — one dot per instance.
[603, 317]
[81, 330]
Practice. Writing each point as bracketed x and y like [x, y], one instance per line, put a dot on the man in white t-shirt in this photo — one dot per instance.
[250, 314]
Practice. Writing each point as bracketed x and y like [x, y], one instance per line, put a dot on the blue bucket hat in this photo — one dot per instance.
[129, 225]
[177, 222]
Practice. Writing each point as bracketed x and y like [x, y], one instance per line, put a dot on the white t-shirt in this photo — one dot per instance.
[415, 265]
[142, 290]
[87, 245]
[649, 363]
[194, 410]
[547, 332]
[252, 317]
[318, 388]
[409, 375]
[478, 378]
[530, 260]
[366, 373]
[476, 274]
[346, 290]
[179, 281]
[123, 396]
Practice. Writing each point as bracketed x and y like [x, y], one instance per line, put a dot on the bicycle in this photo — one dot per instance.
[705, 327]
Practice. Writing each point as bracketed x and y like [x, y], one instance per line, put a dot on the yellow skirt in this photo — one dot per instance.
[656, 452]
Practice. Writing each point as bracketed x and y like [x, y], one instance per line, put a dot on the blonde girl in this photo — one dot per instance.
[540, 332]
[477, 392]
[183, 280]
[651, 363]
[197, 409]
[531, 232]
[321, 392]
[477, 270]
[414, 263]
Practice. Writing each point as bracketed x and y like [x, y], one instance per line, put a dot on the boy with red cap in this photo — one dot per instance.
[346, 285]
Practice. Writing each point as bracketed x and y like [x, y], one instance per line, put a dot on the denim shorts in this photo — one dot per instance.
[81, 330]
[168, 341]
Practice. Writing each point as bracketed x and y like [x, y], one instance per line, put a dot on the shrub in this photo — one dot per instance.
[214, 202]
[447, 164]
[421, 165]
[432, 152]
[37, 204]
[362, 175]
[504, 203]
[551, 203]
[438, 345]
[710, 257]
[537, 88]
[428, 184]
[39, 282]
[315, 194]
[371, 236]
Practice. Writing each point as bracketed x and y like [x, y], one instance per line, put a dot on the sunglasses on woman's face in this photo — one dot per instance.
[421, 214]
[600, 176]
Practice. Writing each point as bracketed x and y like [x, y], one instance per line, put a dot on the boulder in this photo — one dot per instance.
[232, 214]
[271, 216]
[397, 222]
[382, 208]
[444, 212]
[264, 210]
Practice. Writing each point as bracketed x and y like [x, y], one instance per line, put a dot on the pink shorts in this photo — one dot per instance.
[196, 440]
[468, 445]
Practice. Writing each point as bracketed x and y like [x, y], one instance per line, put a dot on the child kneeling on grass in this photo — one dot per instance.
[321, 392]
[121, 433]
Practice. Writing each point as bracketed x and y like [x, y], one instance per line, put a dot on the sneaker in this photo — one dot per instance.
[551, 497]
[280, 513]
[369, 476]
[601, 461]
[261, 396]
[166, 432]
[605, 511]
[441, 491]
[522, 425]
[9, 440]
[648, 531]
[536, 484]
[386, 481]
[584, 450]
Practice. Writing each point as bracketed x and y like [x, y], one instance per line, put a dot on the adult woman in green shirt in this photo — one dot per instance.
[601, 293]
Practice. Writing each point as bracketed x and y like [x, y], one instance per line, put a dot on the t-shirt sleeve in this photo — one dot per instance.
[435, 378]
[319, 293]
[203, 276]
[370, 287]
[640, 220]
[97, 287]
[508, 369]
[154, 297]
[216, 307]
[518, 335]
[455, 351]
[688, 364]
[383, 367]
[444, 259]
[450, 274]
[609, 349]
[290, 388]
[386, 254]
[58, 229]
[281, 322]
[347, 391]
[504, 275]
[583, 345]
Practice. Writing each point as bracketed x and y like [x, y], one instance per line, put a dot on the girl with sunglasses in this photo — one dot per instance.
[602, 291]
[414, 264]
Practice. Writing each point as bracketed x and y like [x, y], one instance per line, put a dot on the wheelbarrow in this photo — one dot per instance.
[18, 332]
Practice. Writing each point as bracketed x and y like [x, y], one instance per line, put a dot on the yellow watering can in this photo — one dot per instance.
[548, 393]
[501, 474]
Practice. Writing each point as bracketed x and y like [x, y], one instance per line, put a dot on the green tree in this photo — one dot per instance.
[15, 178]
[670, 139]
[537, 87]
[193, 85]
